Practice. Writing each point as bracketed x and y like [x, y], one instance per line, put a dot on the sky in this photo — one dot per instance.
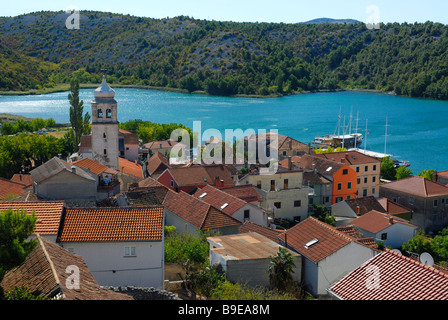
[287, 11]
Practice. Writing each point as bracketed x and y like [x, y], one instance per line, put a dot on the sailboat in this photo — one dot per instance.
[338, 139]
[379, 155]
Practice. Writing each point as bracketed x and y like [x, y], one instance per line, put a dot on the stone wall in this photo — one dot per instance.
[139, 293]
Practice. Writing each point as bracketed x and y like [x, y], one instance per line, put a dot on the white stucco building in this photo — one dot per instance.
[122, 246]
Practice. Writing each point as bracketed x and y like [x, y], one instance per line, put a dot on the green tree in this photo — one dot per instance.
[321, 213]
[388, 170]
[78, 120]
[15, 229]
[403, 172]
[281, 269]
[427, 174]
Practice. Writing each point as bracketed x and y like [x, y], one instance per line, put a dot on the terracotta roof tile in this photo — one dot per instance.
[392, 207]
[329, 239]
[44, 273]
[8, 187]
[48, 213]
[197, 212]
[94, 167]
[418, 186]
[323, 166]
[219, 199]
[246, 192]
[350, 157]
[112, 224]
[157, 163]
[130, 168]
[24, 179]
[198, 175]
[364, 205]
[374, 221]
[400, 278]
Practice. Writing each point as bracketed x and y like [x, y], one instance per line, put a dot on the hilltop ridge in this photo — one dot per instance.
[223, 58]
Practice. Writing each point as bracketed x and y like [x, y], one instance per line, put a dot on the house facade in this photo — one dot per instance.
[342, 177]
[122, 246]
[366, 167]
[283, 193]
[428, 201]
[391, 231]
[233, 206]
[328, 255]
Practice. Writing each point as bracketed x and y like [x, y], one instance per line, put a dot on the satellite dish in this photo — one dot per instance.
[397, 251]
[427, 259]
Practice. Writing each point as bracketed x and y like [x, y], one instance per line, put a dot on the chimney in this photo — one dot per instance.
[314, 167]
[289, 163]
[391, 220]
[342, 160]
[358, 210]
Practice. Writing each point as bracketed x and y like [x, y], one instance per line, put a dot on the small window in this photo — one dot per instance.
[278, 205]
[411, 200]
[100, 113]
[349, 197]
[366, 179]
[259, 184]
[285, 184]
[172, 184]
[357, 169]
[338, 199]
[374, 167]
[105, 151]
[374, 179]
[345, 171]
[364, 193]
[297, 203]
[349, 185]
[272, 185]
[366, 168]
[284, 153]
[384, 236]
[358, 181]
[246, 215]
[104, 135]
[129, 252]
[339, 186]
[373, 190]
[436, 202]
[297, 219]
[108, 113]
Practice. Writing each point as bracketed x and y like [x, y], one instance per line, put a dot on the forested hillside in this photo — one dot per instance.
[223, 58]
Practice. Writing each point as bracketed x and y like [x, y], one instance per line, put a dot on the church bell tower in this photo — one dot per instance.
[105, 148]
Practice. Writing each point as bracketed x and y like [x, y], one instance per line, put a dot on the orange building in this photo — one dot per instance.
[342, 176]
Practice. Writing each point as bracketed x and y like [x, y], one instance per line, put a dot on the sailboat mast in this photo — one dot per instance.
[385, 137]
[365, 143]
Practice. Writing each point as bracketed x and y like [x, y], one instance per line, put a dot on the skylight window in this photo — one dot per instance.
[224, 205]
[312, 242]
[203, 195]
[329, 169]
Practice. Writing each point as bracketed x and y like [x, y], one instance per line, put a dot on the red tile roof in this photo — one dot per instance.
[130, 168]
[392, 207]
[349, 157]
[197, 212]
[219, 199]
[112, 224]
[329, 239]
[44, 272]
[94, 167]
[8, 187]
[418, 186]
[374, 221]
[48, 213]
[198, 175]
[24, 179]
[246, 192]
[157, 163]
[400, 278]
